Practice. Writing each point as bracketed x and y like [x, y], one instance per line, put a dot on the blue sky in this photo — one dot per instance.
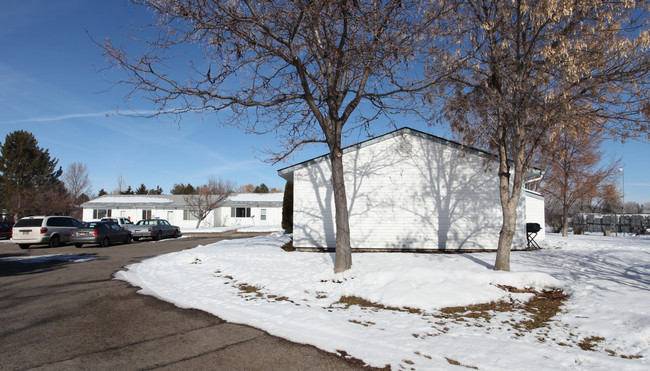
[50, 87]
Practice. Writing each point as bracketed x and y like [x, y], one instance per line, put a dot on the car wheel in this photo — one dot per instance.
[158, 236]
[105, 242]
[136, 238]
[54, 241]
[176, 233]
[23, 246]
[128, 239]
[78, 245]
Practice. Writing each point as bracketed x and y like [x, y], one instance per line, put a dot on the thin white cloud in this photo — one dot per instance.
[60, 117]
[81, 115]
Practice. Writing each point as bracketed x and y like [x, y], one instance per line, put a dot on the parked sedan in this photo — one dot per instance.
[154, 228]
[102, 233]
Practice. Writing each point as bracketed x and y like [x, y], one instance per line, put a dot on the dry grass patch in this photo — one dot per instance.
[349, 301]
[540, 308]
[589, 343]
[456, 363]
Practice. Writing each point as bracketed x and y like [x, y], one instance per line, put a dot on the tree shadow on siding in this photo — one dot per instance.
[458, 197]
[407, 193]
[321, 210]
[358, 168]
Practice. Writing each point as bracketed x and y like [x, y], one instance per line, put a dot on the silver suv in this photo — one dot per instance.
[43, 230]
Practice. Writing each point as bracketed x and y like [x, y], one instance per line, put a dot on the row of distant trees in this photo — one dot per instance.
[32, 183]
[185, 189]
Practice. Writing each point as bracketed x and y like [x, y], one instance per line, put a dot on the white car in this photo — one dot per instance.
[43, 230]
[121, 221]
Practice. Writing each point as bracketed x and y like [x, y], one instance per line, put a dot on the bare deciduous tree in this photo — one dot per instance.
[306, 71]
[575, 172]
[529, 69]
[121, 185]
[76, 180]
[208, 197]
[611, 199]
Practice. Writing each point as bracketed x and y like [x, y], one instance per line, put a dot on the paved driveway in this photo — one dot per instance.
[58, 315]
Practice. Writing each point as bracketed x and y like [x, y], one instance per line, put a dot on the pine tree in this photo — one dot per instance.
[182, 189]
[129, 191]
[26, 171]
[142, 190]
[157, 191]
[262, 188]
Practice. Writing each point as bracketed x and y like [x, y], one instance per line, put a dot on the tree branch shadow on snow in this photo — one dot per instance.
[601, 268]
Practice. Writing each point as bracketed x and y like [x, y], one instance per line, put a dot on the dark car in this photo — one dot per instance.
[102, 233]
[5, 229]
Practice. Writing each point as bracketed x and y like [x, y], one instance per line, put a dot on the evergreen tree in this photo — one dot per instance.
[287, 208]
[26, 171]
[102, 192]
[157, 191]
[262, 188]
[142, 190]
[182, 189]
[82, 198]
[129, 191]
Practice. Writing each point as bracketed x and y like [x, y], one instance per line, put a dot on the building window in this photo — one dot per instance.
[188, 215]
[146, 214]
[240, 212]
[262, 214]
[101, 213]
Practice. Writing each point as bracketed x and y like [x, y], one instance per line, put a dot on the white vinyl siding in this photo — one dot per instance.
[535, 212]
[404, 192]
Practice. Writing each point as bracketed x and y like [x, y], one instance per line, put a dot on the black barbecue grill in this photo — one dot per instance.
[531, 232]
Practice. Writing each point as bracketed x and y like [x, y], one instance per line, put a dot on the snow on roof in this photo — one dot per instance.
[131, 199]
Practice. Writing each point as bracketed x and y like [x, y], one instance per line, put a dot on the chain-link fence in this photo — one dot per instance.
[611, 223]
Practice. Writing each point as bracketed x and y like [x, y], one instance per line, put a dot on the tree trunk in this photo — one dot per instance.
[508, 228]
[343, 260]
[509, 201]
[565, 220]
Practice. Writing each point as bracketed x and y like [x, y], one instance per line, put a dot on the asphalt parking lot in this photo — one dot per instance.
[68, 313]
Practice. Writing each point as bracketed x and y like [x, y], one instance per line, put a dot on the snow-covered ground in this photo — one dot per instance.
[296, 295]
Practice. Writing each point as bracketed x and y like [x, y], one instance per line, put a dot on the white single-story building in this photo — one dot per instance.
[406, 191]
[243, 209]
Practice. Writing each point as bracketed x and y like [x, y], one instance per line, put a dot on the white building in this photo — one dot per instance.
[245, 209]
[406, 191]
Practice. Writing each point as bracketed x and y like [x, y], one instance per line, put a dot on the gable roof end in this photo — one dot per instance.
[287, 172]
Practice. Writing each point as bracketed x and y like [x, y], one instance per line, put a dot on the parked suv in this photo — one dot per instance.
[43, 230]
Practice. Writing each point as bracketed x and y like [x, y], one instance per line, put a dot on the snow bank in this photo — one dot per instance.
[296, 295]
